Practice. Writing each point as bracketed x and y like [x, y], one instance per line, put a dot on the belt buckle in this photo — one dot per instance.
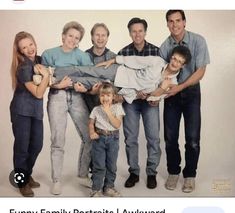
[107, 132]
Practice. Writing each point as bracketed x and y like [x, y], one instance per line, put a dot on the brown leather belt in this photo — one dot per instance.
[106, 132]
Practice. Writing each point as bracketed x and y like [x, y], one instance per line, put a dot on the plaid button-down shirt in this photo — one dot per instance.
[149, 49]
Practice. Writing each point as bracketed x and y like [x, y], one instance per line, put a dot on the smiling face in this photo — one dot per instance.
[176, 63]
[176, 25]
[138, 33]
[28, 48]
[100, 37]
[106, 98]
[71, 39]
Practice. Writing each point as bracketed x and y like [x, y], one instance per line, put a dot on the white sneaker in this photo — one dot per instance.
[111, 192]
[85, 181]
[37, 79]
[171, 182]
[56, 188]
[189, 185]
[96, 193]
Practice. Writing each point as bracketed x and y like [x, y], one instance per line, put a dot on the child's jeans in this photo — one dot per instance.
[104, 159]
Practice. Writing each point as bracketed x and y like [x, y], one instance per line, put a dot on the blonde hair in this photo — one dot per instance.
[99, 25]
[107, 88]
[74, 25]
[17, 56]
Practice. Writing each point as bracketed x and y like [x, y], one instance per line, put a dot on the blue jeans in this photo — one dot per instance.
[28, 133]
[87, 75]
[150, 117]
[186, 103]
[104, 159]
[60, 104]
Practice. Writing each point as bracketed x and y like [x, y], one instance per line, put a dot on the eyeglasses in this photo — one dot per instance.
[178, 61]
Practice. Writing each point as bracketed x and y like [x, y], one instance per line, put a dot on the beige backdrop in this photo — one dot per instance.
[216, 174]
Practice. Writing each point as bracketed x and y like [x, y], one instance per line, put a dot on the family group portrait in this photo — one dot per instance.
[111, 103]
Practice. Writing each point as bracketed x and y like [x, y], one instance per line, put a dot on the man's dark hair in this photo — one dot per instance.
[170, 12]
[137, 21]
[184, 52]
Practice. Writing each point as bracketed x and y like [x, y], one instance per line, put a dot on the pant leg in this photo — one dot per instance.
[80, 116]
[112, 147]
[87, 71]
[172, 116]
[57, 113]
[192, 123]
[87, 82]
[36, 143]
[91, 101]
[100, 72]
[99, 163]
[21, 126]
[131, 132]
[151, 124]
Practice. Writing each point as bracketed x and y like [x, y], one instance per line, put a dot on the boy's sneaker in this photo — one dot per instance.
[189, 185]
[111, 192]
[56, 188]
[171, 182]
[85, 181]
[95, 193]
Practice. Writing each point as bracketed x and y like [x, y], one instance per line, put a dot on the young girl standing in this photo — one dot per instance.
[27, 109]
[105, 121]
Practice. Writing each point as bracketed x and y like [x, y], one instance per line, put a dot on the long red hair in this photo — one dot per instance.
[17, 56]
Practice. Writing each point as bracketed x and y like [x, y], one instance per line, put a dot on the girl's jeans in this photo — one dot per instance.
[104, 159]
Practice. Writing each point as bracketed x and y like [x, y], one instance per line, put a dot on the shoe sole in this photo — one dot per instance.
[151, 187]
[168, 188]
[187, 191]
[129, 186]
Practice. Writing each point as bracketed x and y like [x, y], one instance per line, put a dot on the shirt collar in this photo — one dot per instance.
[145, 45]
[184, 41]
[94, 55]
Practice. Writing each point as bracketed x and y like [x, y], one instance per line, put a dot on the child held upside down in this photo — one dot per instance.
[150, 74]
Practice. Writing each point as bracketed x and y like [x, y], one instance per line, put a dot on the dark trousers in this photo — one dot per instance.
[28, 133]
[186, 103]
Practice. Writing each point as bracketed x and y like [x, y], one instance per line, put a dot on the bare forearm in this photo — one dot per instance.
[91, 127]
[158, 92]
[41, 88]
[115, 121]
[38, 91]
